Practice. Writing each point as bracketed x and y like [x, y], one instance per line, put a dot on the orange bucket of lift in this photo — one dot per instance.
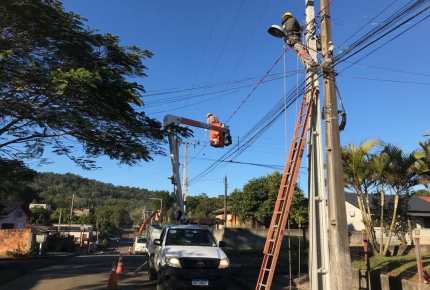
[216, 138]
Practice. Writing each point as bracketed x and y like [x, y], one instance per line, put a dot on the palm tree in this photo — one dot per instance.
[359, 177]
[379, 163]
[423, 164]
[401, 176]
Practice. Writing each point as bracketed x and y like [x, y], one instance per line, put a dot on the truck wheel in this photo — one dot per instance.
[160, 283]
[152, 273]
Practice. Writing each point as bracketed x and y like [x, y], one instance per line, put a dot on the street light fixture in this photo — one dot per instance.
[276, 31]
[161, 206]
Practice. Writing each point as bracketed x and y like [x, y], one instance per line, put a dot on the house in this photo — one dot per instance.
[232, 220]
[419, 208]
[40, 205]
[81, 233]
[13, 214]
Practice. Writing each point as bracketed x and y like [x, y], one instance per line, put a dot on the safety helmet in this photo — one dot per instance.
[208, 115]
[286, 15]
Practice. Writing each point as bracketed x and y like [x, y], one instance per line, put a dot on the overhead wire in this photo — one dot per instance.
[267, 123]
[207, 43]
[219, 55]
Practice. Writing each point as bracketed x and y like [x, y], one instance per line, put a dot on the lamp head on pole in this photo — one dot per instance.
[276, 31]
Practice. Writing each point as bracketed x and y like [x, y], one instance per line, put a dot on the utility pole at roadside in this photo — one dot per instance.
[340, 258]
[184, 178]
[225, 201]
[319, 265]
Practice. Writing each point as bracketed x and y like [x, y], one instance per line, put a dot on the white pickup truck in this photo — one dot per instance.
[188, 256]
[153, 232]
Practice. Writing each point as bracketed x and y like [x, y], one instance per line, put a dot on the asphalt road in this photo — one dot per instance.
[82, 272]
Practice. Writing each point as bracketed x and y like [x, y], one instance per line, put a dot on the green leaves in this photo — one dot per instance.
[62, 82]
[257, 200]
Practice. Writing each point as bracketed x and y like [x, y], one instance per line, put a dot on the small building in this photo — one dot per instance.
[40, 205]
[13, 215]
[232, 220]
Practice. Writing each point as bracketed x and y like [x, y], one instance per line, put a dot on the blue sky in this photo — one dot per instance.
[209, 56]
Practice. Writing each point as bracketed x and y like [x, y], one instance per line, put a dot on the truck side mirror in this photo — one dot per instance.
[221, 244]
[157, 242]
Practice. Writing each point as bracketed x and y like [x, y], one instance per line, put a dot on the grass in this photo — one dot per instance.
[402, 266]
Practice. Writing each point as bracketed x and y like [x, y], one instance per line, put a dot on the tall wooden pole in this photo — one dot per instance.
[340, 259]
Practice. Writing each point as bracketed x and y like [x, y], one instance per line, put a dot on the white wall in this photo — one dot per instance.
[354, 218]
[17, 217]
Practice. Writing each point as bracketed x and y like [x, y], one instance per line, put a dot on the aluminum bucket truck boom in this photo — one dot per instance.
[220, 137]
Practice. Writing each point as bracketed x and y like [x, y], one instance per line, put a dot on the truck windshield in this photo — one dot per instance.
[187, 237]
[141, 240]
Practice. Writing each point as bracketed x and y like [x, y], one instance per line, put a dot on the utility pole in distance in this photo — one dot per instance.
[340, 258]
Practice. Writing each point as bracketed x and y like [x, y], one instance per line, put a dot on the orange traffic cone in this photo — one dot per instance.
[129, 251]
[113, 283]
[120, 268]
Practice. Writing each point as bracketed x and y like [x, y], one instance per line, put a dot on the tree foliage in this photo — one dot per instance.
[256, 200]
[13, 178]
[373, 174]
[40, 216]
[63, 83]
[202, 206]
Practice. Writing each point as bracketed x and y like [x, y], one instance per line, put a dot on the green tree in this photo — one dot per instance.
[65, 216]
[61, 81]
[423, 164]
[257, 200]
[88, 218]
[14, 175]
[136, 216]
[39, 216]
[202, 206]
[359, 176]
[422, 192]
[299, 207]
[401, 177]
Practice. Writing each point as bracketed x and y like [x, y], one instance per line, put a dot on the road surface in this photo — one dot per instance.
[88, 272]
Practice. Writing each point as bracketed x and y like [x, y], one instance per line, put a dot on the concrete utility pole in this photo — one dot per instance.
[225, 200]
[184, 178]
[340, 259]
[318, 240]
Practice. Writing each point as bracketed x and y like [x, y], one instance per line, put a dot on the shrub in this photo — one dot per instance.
[19, 252]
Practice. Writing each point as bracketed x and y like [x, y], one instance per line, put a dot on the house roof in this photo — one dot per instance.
[221, 210]
[6, 207]
[417, 206]
[65, 228]
[426, 198]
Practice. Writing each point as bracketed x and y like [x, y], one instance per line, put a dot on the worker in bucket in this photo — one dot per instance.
[293, 32]
[211, 119]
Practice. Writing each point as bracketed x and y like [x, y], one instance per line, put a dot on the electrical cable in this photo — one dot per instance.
[269, 122]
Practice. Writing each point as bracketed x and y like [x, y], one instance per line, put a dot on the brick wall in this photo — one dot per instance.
[9, 239]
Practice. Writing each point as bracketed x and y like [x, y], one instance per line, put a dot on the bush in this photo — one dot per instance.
[19, 252]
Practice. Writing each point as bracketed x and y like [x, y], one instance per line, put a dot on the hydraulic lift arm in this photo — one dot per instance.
[220, 137]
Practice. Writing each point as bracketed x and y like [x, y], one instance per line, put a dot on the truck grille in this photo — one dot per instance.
[199, 263]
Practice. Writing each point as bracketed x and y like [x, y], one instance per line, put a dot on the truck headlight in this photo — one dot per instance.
[224, 263]
[173, 262]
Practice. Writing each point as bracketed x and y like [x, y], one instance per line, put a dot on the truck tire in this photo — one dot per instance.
[152, 273]
[160, 283]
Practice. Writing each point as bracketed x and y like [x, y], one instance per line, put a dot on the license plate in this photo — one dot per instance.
[200, 282]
